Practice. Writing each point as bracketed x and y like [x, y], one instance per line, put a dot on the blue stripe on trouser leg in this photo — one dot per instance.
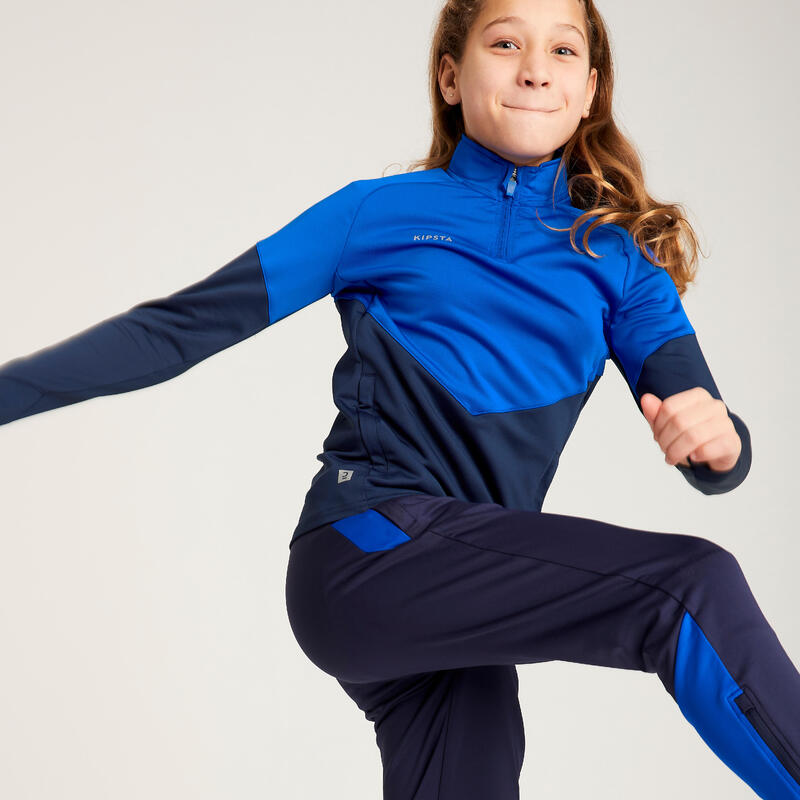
[706, 694]
[733, 679]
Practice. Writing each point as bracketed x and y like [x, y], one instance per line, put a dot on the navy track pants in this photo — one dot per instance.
[422, 606]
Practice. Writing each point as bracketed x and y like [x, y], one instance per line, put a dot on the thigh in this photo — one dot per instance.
[447, 735]
[422, 584]
[433, 584]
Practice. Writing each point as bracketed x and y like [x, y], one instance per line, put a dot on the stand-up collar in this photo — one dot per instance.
[492, 174]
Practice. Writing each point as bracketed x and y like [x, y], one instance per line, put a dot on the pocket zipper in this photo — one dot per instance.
[763, 730]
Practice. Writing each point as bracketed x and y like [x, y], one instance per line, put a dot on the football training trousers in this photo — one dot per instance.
[421, 607]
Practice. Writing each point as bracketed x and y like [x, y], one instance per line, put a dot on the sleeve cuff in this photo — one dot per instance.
[709, 481]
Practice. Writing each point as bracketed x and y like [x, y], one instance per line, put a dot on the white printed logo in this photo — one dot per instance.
[420, 237]
[345, 475]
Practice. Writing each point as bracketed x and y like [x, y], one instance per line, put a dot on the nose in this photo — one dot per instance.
[534, 70]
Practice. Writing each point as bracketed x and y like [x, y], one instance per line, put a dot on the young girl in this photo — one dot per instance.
[422, 570]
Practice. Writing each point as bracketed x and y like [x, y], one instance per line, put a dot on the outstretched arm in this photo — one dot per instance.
[159, 339]
[151, 342]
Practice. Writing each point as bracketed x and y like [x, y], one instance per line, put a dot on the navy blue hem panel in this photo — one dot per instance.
[150, 343]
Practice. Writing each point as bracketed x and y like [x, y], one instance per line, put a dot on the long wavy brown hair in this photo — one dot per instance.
[604, 169]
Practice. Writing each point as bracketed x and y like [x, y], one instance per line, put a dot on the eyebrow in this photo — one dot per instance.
[519, 19]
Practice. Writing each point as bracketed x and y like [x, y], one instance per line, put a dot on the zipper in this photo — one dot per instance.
[755, 719]
[512, 183]
[511, 186]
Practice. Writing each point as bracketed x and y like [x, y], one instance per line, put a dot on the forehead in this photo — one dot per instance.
[534, 12]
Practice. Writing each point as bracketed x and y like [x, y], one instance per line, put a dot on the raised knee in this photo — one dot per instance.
[709, 569]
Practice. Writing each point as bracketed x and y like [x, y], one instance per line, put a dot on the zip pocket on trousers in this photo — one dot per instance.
[759, 724]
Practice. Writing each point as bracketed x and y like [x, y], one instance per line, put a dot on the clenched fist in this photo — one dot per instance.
[694, 424]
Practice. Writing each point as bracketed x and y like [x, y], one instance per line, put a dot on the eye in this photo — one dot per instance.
[502, 41]
[564, 47]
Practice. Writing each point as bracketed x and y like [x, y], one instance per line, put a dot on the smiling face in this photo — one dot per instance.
[524, 83]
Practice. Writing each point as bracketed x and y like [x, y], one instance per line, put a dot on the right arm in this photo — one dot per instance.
[159, 339]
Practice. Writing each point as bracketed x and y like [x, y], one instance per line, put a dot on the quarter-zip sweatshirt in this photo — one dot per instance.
[475, 333]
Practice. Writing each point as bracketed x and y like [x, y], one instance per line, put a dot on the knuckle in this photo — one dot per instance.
[681, 419]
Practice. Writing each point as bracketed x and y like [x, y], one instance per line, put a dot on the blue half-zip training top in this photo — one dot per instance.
[475, 333]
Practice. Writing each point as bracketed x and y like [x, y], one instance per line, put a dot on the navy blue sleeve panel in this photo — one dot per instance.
[151, 342]
[655, 348]
[159, 339]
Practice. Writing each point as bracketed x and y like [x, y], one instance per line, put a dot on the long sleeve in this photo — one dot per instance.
[159, 339]
[655, 348]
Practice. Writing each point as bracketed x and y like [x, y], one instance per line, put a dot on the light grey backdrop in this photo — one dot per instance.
[146, 650]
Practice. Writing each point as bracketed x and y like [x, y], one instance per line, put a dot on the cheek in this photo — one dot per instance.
[479, 97]
[575, 94]
[481, 81]
[489, 73]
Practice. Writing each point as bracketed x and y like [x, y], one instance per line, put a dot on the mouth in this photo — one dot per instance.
[536, 110]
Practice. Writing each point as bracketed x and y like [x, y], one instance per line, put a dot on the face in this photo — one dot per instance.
[523, 84]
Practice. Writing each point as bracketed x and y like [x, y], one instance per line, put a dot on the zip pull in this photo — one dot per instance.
[512, 183]
[744, 702]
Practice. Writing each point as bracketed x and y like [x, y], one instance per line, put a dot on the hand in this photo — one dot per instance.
[695, 424]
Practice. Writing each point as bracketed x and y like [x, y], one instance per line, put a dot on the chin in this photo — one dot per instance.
[529, 147]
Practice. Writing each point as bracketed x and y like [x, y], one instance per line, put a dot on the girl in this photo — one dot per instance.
[422, 569]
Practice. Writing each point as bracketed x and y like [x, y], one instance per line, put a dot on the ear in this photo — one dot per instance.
[448, 84]
[591, 89]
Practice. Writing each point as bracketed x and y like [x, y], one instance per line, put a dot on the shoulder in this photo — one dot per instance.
[634, 262]
[365, 188]
[621, 242]
[338, 209]
[380, 196]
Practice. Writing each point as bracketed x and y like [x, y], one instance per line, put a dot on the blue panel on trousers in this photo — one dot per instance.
[706, 694]
[371, 531]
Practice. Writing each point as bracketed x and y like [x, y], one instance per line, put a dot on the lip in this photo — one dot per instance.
[539, 110]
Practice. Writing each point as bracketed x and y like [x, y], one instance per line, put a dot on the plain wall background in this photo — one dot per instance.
[146, 648]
